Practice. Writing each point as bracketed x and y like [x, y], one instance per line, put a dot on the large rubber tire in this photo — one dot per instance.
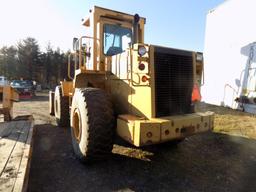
[61, 108]
[92, 123]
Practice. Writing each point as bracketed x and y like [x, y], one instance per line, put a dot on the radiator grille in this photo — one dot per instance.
[173, 81]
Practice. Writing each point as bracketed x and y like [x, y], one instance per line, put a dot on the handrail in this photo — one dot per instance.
[81, 50]
[88, 37]
[69, 63]
[202, 83]
[234, 91]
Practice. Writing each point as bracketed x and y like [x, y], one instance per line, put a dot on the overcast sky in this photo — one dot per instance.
[173, 23]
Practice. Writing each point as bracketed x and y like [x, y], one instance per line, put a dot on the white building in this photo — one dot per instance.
[230, 55]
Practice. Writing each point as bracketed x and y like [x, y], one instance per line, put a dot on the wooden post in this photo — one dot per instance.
[7, 103]
[9, 95]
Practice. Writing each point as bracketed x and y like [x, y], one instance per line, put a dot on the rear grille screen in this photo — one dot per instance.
[173, 81]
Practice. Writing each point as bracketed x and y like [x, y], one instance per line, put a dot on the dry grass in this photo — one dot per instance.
[231, 121]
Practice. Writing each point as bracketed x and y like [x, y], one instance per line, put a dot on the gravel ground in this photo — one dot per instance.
[224, 160]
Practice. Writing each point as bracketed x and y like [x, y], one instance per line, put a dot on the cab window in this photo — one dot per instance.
[116, 39]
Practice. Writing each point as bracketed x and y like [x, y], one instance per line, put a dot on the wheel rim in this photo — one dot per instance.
[76, 125]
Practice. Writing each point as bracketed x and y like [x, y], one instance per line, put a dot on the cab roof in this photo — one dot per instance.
[112, 14]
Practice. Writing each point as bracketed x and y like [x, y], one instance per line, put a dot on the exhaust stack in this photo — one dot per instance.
[136, 28]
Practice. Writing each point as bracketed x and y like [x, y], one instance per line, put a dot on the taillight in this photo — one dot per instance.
[141, 66]
[144, 79]
[196, 95]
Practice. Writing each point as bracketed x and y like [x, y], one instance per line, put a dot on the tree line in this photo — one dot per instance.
[27, 61]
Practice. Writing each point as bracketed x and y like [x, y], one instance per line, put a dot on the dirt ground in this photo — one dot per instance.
[224, 160]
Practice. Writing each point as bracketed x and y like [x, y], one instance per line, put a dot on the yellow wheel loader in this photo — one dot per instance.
[143, 93]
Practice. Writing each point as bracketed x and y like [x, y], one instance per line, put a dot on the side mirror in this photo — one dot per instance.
[238, 83]
[136, 18]
[75, 44]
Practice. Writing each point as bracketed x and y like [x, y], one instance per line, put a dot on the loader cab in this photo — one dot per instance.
[110, 33]
[116, 39]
